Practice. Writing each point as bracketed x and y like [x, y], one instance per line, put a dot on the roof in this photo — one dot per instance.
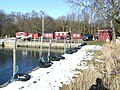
[105, 30]
[61, 32]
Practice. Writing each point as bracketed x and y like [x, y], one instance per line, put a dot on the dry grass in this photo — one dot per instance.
[83, 81]
[108, 70]
[110, 67]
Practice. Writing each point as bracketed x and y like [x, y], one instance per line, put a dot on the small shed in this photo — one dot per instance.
[104, 35]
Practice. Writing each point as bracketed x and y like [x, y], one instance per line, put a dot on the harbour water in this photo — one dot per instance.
[26, 60]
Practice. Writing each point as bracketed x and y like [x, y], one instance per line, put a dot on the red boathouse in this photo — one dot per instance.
[104, 35]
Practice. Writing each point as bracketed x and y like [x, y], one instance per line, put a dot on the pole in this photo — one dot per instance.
[70, 44]
[41, 47]
[14, 59]
[70, 37]
[42, 33]
[49, 49]
[64, 46]
[42, 22]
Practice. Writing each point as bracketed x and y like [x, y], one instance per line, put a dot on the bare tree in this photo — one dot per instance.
[2, 21]
[108, 9]
[49, 24]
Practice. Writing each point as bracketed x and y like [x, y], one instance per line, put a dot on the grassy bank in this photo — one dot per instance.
[95, 43]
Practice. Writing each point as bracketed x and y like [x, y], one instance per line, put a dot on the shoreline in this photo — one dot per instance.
[34, 44]
[52, 78]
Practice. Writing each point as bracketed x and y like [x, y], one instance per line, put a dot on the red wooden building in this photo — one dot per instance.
[55, 35]
[104, 35]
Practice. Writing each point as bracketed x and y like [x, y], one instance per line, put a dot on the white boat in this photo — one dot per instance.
[9, 42]
[12, 39]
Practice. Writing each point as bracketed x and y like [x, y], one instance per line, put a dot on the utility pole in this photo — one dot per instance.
[42, 33]
[42, 22]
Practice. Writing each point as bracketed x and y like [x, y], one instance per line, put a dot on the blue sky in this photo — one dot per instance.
[53, 8]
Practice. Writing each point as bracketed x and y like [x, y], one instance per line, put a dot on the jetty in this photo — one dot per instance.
[36, 44]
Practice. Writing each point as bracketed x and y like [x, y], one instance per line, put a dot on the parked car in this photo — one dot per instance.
[88, 37]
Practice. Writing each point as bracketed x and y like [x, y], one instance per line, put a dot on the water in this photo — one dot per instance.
[26, 60]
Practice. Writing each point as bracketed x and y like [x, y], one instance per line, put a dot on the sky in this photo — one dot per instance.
[53, 8]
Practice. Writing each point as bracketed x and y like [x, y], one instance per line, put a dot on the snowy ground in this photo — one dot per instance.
[61, 72]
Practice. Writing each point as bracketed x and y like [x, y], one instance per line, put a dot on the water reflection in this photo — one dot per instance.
[27, 59]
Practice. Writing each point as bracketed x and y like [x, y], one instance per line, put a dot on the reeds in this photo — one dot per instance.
[110, 67]
[106, 64]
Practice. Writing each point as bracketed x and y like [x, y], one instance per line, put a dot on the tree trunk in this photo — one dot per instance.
[113, 31]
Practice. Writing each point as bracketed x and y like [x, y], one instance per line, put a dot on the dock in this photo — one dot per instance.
[36, 44]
